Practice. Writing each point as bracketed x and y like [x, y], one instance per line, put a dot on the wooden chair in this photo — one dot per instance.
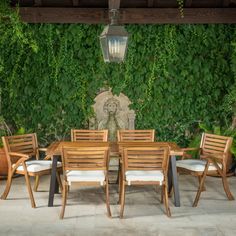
[19, 151]
[145, 166]
[214, 152]
[136, 135]
[86, 165]
[89, 135]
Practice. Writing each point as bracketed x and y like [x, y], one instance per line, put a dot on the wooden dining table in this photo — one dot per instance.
[55, 150]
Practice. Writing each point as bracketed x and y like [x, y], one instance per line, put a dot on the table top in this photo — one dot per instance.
[55, 147]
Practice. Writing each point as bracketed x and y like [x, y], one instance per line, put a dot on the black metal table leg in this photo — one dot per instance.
[170, 176]
[172, 180]
[54, 186]
[175, 181]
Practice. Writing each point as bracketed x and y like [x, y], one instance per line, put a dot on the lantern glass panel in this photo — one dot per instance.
[117, 47]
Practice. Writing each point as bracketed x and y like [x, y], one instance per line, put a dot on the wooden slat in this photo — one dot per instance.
[30, 144]
[221, 145]
[213, 148]
[223, 141]
[85, 157]
[136, 135]
[129, 15]
[89, 135]
[145, 158]
[214, 136]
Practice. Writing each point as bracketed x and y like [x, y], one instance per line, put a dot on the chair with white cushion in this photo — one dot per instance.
[214, 152]
[145, 166]
[21, 151]
[86, 165]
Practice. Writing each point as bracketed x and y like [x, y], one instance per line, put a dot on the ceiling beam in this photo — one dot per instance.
[128, 15]
[114, 4]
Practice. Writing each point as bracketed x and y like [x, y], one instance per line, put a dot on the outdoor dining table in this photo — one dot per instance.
[54, 150]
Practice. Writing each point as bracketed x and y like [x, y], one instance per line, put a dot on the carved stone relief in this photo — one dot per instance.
[112, 112]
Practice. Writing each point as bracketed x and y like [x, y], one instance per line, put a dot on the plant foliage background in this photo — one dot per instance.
[175, 76]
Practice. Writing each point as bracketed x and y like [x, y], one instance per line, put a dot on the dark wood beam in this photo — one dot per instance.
[129, 15]
[188, 3]
[114, 4]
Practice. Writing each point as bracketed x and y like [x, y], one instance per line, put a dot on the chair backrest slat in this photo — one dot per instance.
[89, 135]
[136, 135]
[24, 144]
[146, 158]
[85, 158]
[215, 144]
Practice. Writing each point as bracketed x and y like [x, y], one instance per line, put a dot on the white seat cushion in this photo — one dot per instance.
[86, 176]
[144, 175]
[195, 165]
[37, 165]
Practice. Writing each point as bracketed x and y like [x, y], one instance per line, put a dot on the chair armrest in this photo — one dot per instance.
[42, 149]
[189, 149]
[17, 154]
[21, 160]
[185, 154]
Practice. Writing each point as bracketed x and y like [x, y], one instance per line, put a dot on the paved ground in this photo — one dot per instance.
[144, 214]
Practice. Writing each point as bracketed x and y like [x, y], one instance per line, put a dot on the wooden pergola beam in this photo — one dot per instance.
[129, 15]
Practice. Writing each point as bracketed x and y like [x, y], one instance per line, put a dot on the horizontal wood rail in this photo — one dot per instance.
[128, 15]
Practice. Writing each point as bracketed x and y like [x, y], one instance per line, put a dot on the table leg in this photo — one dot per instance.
[54, 187]
[172, 180]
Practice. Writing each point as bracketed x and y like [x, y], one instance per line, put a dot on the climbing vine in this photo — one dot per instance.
[174, 75]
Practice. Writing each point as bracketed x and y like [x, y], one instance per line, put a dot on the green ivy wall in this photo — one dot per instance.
[175, 76]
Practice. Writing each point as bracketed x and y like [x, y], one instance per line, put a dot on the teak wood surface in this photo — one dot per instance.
[145, 158]
[85, 158]
[19, 149]
[213, 149]
[89, 135]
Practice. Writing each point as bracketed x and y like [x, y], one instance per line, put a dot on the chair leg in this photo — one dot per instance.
[162, 193]
[200, 188]
[199, 180]
[118, 174]
[64, 198]
[120, 186]
[226, 187]
[108, 199]
[122, 199]
[27, 180]
[166, 201]
[8, 186]
[36, 183]
[59, 180]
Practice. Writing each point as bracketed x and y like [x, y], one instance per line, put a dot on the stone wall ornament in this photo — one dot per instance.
[112, 112]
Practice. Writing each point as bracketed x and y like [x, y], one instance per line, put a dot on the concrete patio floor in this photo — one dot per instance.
[144, 214]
